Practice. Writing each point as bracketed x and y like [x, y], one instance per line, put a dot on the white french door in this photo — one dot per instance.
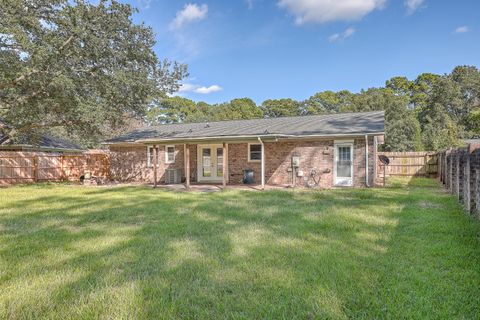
[210, 163]
[343, 167]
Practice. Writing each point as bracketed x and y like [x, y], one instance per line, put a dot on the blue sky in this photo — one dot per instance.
[293, 48]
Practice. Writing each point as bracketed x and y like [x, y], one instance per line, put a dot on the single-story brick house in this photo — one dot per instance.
[320, 150]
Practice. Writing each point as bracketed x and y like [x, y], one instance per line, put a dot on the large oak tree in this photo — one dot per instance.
[78, 66]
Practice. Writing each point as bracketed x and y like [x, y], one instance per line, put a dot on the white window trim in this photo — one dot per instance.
[166, 153]
[149, 151]
[249, 153]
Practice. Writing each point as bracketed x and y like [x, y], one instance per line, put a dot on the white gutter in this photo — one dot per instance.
[263, 163]
[329, 135]
[367, 183]
[271, 136]
[375, 159]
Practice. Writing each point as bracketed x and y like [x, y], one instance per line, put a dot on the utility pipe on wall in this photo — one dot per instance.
[155, 165]
[366, 161]
[375, 159]
[263, 163]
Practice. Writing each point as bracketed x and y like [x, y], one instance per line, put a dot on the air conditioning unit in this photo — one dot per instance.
[173, 176]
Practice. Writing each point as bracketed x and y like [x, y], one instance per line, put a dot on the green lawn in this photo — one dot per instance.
[70, 252]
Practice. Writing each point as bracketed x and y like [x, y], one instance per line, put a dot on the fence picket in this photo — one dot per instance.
[410, 164]
[21, 167]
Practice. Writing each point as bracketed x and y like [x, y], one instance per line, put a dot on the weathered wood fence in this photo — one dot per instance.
[409, 164]
[460, 174]
[24, 167]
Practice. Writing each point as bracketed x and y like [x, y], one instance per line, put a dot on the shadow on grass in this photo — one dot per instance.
[134, 252]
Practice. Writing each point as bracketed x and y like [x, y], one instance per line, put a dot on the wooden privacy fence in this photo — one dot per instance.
[409, 164]
[23, 167]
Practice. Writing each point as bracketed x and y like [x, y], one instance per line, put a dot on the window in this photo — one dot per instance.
[150, 156]
[206, 161]
[344, 162]
[219, 162]
[254, 152]
[169, 154]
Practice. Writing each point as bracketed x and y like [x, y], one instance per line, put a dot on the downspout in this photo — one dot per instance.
[263, 163]
[375, 159]
[367, 183]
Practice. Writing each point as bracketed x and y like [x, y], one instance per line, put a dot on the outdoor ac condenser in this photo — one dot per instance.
[172, 176]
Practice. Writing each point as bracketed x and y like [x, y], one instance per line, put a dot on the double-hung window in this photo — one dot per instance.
[169, 154]
[254, 152]
[150, 158]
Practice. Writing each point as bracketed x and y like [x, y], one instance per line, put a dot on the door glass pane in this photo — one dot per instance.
[206, 162]
[344, 162]
[219, 162]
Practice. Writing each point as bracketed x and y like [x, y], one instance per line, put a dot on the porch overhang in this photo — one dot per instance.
[206, 140]
[251, 138]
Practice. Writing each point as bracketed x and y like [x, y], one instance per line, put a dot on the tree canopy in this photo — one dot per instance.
[87, 70]
[431, 112]
[280, 108]
[79, 67]
[171, 110]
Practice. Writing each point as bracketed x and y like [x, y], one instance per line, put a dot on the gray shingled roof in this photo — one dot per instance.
[44, 142]
[331, 124]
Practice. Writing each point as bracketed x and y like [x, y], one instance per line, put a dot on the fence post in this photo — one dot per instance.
[477, 192]
[461, 163]
[457, 175]
[107, 166]
[447, 166]
[425, 165]
[444, 168]
[445, 171]
[441, 159]
[439, 167]
[475, 180]
[450, 173]
[35, 168]
[62, 168]
[466, 182]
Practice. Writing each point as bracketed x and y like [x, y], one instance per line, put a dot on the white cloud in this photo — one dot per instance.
[342, 35]
[321, 11]
[413, 5]
[191, 12]
[207, 90]
[462, 29]
[189, 87]
[249, 4]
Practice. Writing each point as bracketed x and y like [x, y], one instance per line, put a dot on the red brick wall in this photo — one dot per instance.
[359, 162]
[238, 161]
[316, 155]
[130, 163]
